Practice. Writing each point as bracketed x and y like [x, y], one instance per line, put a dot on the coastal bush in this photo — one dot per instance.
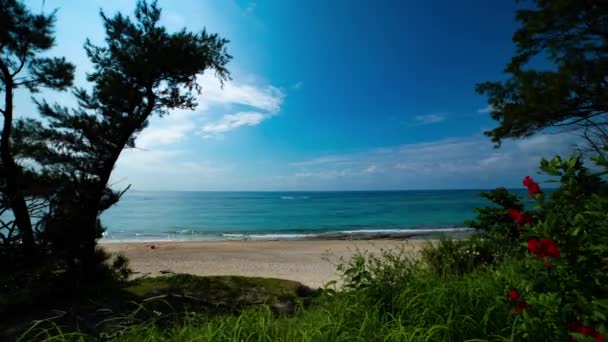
[503, 219]
[119, 265]
[560, 247]
[564, 292]
[557, 252]
[450, 256]
[494, 241]
[379, 277]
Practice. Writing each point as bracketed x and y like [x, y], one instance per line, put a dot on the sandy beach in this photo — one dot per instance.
[312, 263]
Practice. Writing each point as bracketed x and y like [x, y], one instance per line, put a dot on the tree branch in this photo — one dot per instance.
[22, 60]
[124, 191]
[569, 123]
[24, 82]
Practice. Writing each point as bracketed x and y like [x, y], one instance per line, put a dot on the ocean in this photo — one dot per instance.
[177, 216]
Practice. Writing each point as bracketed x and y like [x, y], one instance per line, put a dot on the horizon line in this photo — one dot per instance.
[391, 190]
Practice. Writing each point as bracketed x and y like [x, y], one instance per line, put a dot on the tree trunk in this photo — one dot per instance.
[13, 184]
[90, 215]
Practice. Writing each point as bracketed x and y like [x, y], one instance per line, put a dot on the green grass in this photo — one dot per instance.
[425, 307]
[162, 300]
[389, 297]
[235, 290]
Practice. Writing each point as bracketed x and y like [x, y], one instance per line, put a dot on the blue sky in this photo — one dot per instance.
[326, 95]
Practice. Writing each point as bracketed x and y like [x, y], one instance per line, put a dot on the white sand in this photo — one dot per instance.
[312, 263]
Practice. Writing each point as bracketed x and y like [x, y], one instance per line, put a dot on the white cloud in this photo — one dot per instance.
[231, 121]
[321, 160]
[459, 162]
[159, 165]
[487, 109]
[167, 130]
[332, 174]
[166, 170]
[324, 174]
[371, 169]
[538, 143]
[266, 98]
[262, 102]
[464, 162]
[430, 119]
[297, 85]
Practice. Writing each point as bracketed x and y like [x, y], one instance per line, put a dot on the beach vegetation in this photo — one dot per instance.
[110, 309]
[547, 282]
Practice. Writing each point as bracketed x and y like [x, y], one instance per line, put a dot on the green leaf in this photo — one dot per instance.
[599, 316]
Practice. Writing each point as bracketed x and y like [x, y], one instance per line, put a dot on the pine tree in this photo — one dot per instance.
[140, 71]
[23, 38]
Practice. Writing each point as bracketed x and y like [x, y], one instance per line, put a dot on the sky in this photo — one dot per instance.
[325, 95]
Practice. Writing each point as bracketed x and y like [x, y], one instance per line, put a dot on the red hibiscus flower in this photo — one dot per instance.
[577, 327]
[549, 248]
[543, 248]
[519, 217]
[533, 187]
[514, 295]
[534, 246]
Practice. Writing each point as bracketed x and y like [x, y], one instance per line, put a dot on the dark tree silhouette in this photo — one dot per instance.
[572, 92]
[140, 71]
[23, 37]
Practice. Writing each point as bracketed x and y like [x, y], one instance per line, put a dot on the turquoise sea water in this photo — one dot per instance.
[158, 216]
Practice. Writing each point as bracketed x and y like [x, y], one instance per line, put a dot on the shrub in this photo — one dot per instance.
[497, 220]
[449, 256]
[497, 226]
[119, 266]
[379, 277]
[566, 267]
